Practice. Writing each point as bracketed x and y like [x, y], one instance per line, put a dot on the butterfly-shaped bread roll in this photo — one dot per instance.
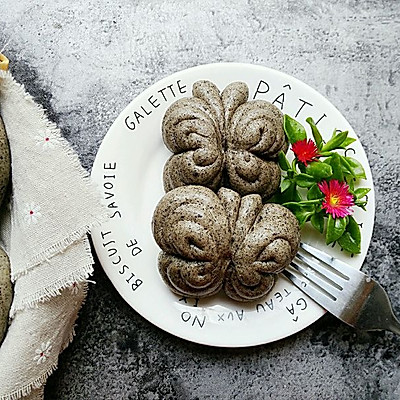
[222, 139]
[211, 241]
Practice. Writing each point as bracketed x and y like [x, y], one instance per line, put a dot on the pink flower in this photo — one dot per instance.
[338, 201]
[305, 151]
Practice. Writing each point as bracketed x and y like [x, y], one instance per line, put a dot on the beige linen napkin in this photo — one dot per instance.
[53, 205]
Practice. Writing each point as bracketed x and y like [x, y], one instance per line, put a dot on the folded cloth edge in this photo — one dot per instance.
[7, 80]
[55, 288]
[38, 383]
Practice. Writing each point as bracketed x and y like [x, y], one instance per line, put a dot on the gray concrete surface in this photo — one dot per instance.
[84, 61]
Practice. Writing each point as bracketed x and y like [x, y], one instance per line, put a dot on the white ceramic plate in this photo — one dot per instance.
[129, 166]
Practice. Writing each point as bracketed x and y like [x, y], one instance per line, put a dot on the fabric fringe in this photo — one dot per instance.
[40, 381]
[35, 384]
[72, 334]
[9, 82]
[45, 294]
[60, 246]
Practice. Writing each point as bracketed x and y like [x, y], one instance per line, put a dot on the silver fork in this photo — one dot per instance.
[344, 291]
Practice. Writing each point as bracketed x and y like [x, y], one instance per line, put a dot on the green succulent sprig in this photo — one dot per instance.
[319, 185]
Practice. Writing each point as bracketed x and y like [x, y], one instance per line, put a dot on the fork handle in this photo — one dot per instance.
[395, 326]
[394, 329]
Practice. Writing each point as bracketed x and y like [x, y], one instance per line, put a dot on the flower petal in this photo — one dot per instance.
[338, 201]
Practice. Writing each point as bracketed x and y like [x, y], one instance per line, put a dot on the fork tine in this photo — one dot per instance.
[307, 287]
[317, 280]
[333, 262]
[308, 259]
[346, 292]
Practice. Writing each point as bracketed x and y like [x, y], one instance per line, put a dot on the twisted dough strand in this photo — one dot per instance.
[263, 245]
[192, 130]
[191, 227]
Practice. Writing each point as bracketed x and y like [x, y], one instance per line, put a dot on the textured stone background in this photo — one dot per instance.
[84, 61]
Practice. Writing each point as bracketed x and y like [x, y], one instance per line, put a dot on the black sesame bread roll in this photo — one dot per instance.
[6, 291]
[5, 162]
[196, 167]
[230, 200]
[257, 126]
[265, 241]
[191, 227]
[211, 133]
[254, 137]
[247, 173]
[192, 130]
[210, 240]
[234, 95]
[209, 93]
